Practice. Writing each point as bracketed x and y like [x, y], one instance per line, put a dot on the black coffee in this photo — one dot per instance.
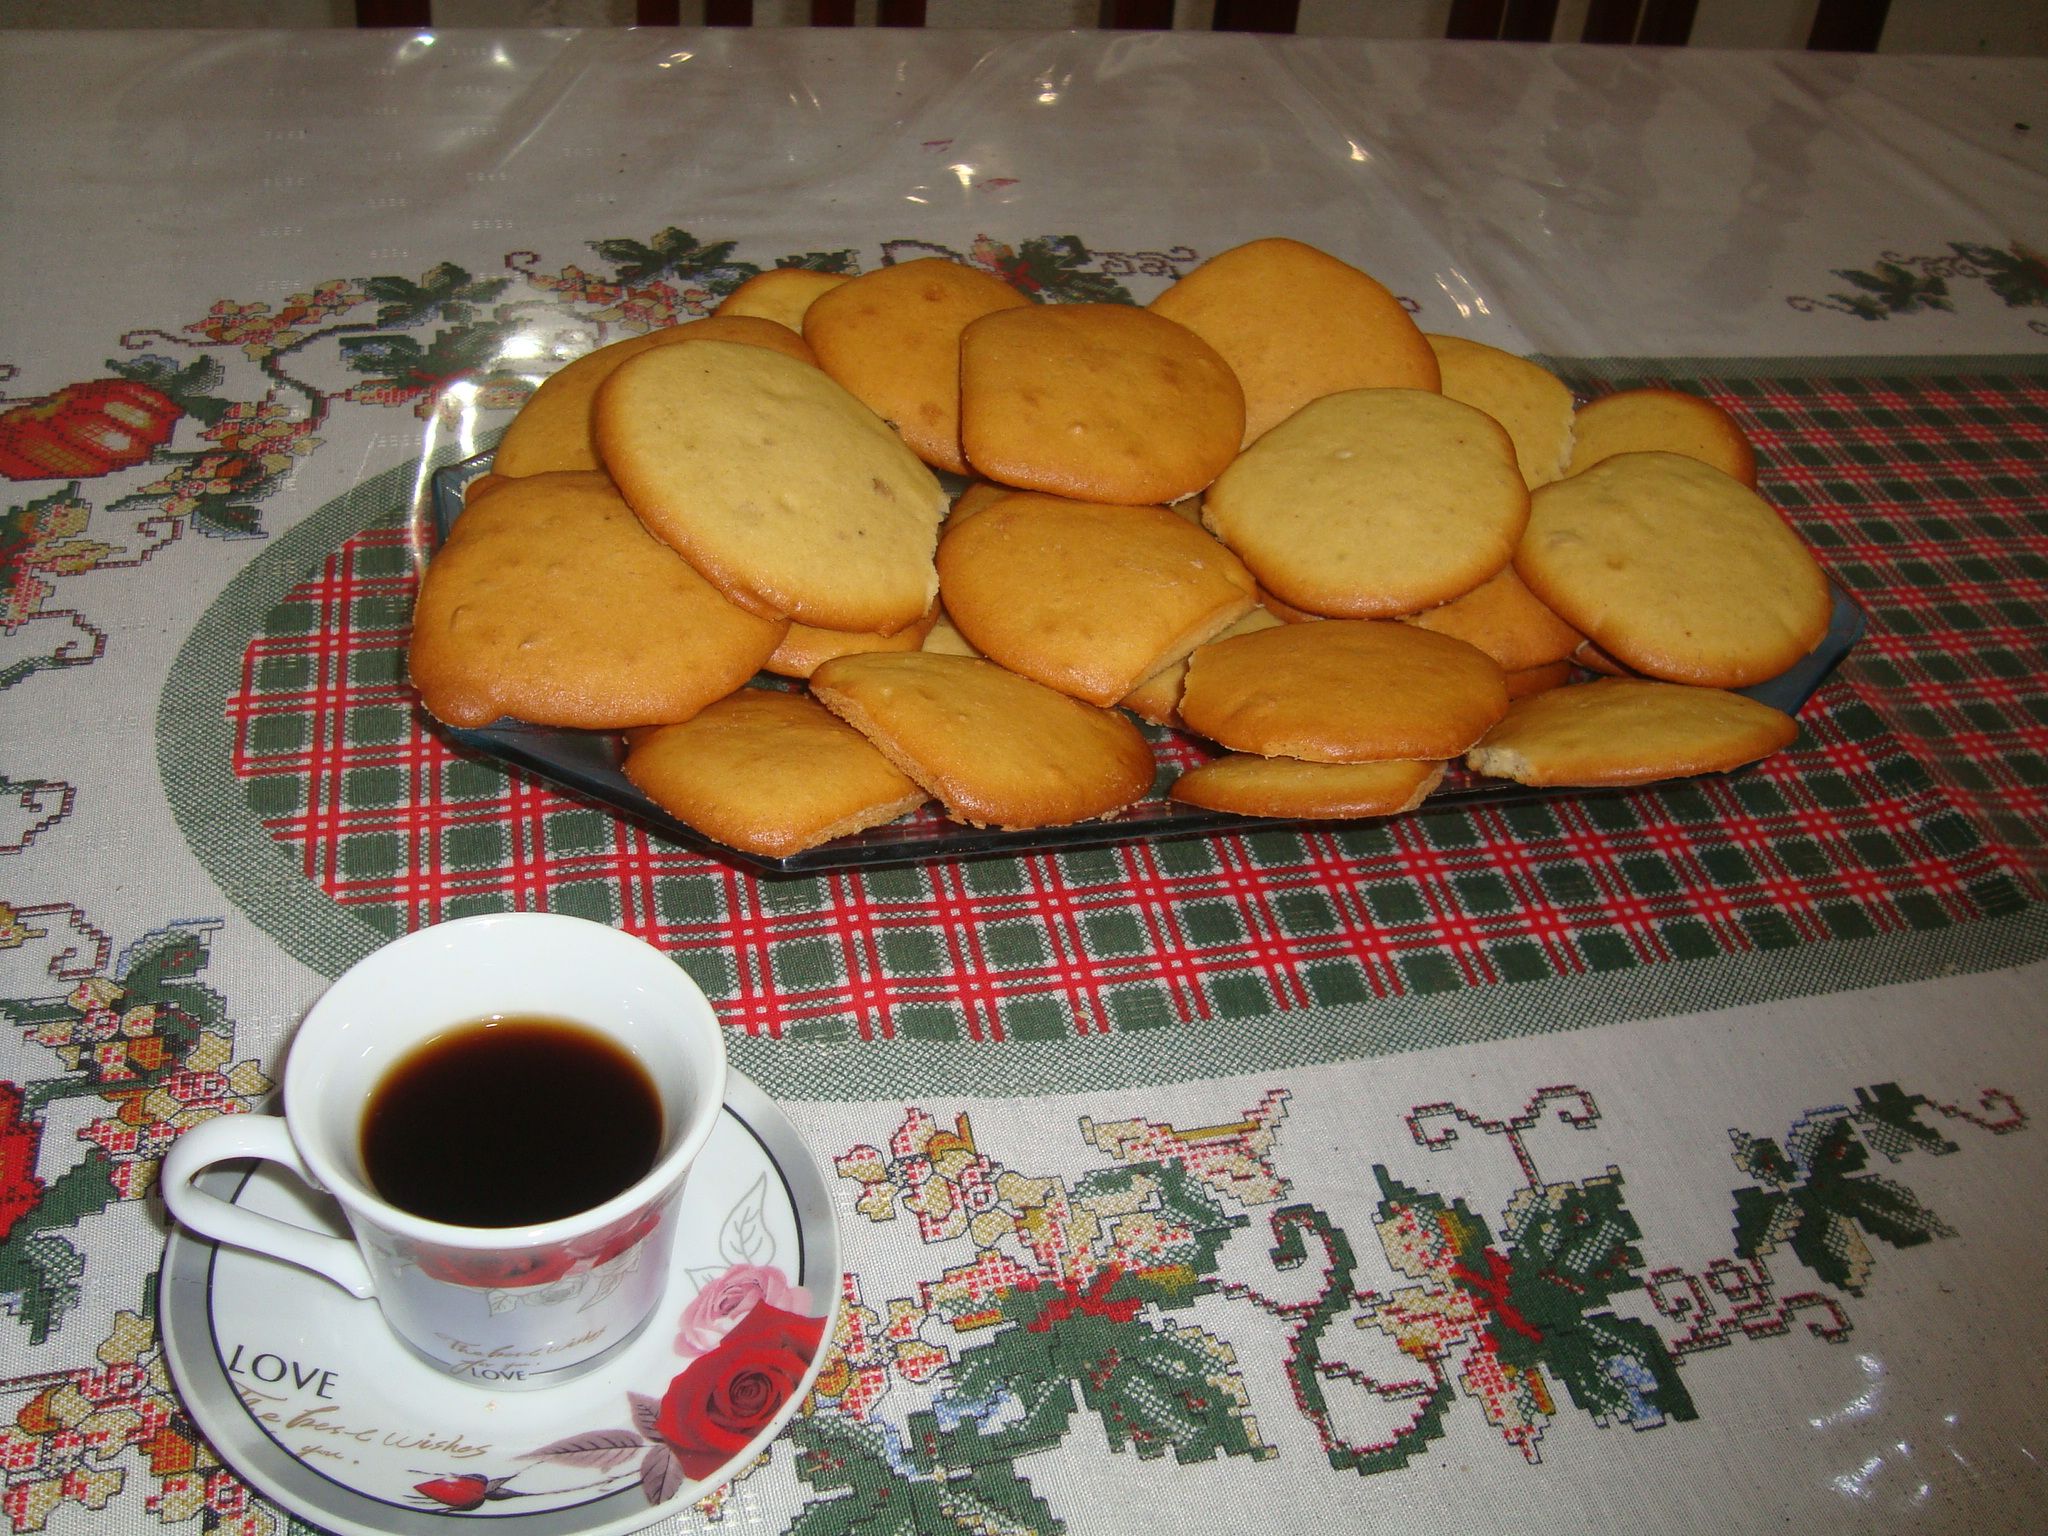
[509, 1121]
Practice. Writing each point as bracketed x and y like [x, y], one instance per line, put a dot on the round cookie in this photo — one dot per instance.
[1529, 400]
[1660, 421]
[1346, 691]
[1503, 618]
[994, 748]
[1084, 597]
[550, 603]
[1537, 679]
[1283, 786]
[790, 496]
[1295, 324]
[892, 337]
[1102, 402]
[1373, 503]
[1675, 570]
[1618, 730]
[553, 430]
[781, 294]
[769, 773]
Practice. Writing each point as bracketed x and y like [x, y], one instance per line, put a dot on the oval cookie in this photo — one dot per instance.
[1675, 570]
[792, 497]
[1373, 503]
[1618, 730]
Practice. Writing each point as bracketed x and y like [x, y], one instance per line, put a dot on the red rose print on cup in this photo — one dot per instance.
[749, 1356]
[723, 1399]
[726, 1301]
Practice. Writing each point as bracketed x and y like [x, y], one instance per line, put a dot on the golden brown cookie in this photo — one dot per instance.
[977, 495]
[1157, 698]
[1283, 786]
[805, 646]
[550, 603]
[1536, 679]
[994, 748]
[1295, 324]
[892, 337]
[1373, 503]
[1675, 570]
[1618, 730]
[781, 294]
[553, 430]
[1345, 691]
[1660, 421]
[1529, 400]
[1101, 402]
[770, 773]
[792, 497]
[1086, 597]
[1504, 619]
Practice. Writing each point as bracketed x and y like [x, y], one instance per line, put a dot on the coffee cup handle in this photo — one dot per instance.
[261, 1136]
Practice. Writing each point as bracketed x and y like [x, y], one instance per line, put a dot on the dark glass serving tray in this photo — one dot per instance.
[587, 764]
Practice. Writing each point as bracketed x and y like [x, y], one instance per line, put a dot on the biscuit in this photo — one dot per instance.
[1660, 421]
[1536, 679]
[550, 603]
[892, 337]
[790, 496]
[781, 294]
[769, 773]
[978, 495]
[993, 748]
[553, 430]
[1504, 619]
[1628, 731]
[1101, 402]
[1295, 324]
[1157, 698]
[1373, 503]
[1085, 597]
[1675, 570]
[1346, 691]
[1529, 400]
[1283, 786]
[806, 646]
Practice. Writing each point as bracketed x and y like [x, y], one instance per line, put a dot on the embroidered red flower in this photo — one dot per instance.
[729, 1396]
[20, 1137]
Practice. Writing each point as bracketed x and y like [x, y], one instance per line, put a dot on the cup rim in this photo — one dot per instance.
[357, 1197]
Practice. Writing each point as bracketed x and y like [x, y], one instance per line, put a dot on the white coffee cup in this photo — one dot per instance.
[519, 1306]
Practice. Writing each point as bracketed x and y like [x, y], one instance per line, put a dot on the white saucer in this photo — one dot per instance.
[309, 1397]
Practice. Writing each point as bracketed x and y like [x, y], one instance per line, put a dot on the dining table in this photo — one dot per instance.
[1654, 1159]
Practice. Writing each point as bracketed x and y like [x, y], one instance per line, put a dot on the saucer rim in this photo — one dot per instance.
[192, 1359]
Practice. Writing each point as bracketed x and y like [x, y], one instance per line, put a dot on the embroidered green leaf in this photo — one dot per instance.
[1826, 1216]
[402, 364]
[1573, 1246]
[1185, 1227]
[2018, 276]
[991, 1499]
[835, 1453]
[190, 387]
[1890, 1122]
[1053, 267]
[1898, 290]
[676, 251]
[1618, 1370]
[846, 261]
[445, 291]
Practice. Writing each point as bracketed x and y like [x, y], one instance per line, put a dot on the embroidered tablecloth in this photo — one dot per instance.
[1656, 1161]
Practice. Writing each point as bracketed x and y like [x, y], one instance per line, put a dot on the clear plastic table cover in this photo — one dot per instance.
[1621, 210]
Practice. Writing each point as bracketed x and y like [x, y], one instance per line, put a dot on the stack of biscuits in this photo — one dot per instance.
[1265, 510]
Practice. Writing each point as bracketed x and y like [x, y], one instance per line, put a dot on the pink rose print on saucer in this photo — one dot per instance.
[725, 1302]
[748, 1355]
